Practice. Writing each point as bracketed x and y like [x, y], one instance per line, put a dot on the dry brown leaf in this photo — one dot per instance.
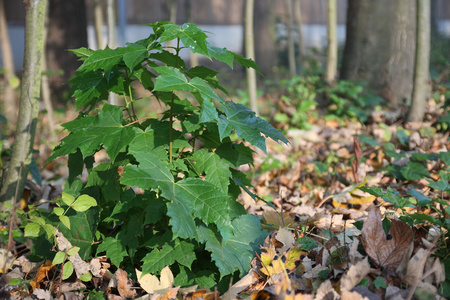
[171, 293]
[347, 295]
[286, 237]
[239, 286]
[6, 260]
[124, 285]
[326, 291]
[387, 251]
[415, 266]
[355, 274]
[279, 219]
[151, 284]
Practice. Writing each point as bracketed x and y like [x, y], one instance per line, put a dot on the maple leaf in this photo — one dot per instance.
[386, 251]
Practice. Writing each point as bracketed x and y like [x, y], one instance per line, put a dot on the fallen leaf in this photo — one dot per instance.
[326, 291]
[42, 294]
[124, 285]
[355, 274]
[386, 251]
[286, 237]
[239, 286]
[151, 284]
[6, 260]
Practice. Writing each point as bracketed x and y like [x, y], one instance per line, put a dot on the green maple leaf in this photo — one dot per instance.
[190, 35]
[114, 249]
[88, 86]
[244, 122]
[189, 196]
[134, 55]
[103, 59]
[106, 129]
[217, 170]
[237, 252]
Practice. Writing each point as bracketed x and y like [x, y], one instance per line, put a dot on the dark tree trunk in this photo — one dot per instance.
[380, 46]
[264, 30]
[66, 30]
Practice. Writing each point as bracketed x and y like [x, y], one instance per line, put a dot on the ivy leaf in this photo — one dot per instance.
[238, 251]
[106, 129]
[217, 170]
[115, 251]
[190, 35]
[246, 125]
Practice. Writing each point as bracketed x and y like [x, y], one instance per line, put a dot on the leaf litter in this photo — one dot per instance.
[315, 249]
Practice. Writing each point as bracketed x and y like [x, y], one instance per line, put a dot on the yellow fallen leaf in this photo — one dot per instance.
[151, 284]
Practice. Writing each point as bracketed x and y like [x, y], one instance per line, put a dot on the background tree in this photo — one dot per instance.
[9, 96]
[14, 180]
[421, 89]
[250, 53]
[298, 22]
[264, 29]
[98, 23]
[380, 46]
[332, 50]
[291, 46]
[66, 30]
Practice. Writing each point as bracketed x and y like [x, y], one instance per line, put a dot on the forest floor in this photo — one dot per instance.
[354, 212]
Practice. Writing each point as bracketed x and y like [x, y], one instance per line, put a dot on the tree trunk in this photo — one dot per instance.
[421, 89]
[14, 180]
[9, 95]
[332, 51]
[291, 48]
[264, 29]
[193, 57]
[66, 30]
[250, 53]
[111, 15]
[380, 46]
[298, 21]
[98, 23]
[45, 92]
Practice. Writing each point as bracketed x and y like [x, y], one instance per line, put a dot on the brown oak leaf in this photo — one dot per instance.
[386, 251]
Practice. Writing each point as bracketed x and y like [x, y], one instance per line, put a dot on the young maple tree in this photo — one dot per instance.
[188, 216]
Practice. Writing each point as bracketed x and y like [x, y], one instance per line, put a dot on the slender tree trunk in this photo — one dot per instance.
[250, 53]
[291, 49]
[98, 23]
[332, 51]
[264, 28]
[111, 15]
[18, 166]
[298, 21]
[9, 95]
[193, 57]
[421, 88]
[172, 7]
[46, 95]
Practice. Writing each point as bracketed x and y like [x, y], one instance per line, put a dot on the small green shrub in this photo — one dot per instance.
[351, 99]
[185, 214]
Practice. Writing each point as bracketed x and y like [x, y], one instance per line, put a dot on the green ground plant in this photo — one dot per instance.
[166, 192]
